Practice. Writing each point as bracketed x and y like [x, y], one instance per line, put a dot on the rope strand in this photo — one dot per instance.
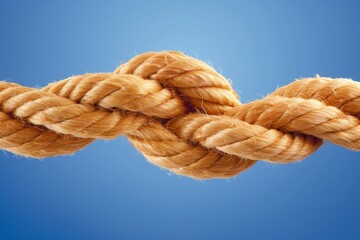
[181, 115]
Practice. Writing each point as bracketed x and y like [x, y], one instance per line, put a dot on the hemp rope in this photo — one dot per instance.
[181, 115]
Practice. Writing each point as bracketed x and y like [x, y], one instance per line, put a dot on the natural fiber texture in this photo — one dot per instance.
[181, 114]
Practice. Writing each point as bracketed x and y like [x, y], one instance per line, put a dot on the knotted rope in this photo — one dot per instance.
[181, 115]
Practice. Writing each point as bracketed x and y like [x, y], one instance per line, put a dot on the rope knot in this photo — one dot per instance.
[181, 114]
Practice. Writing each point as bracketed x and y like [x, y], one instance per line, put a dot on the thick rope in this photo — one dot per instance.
[181, 114]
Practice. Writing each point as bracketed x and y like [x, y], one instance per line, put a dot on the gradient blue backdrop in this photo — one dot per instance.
[109, 191]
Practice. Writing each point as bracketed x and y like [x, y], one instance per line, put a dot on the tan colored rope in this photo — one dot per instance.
[181, 114]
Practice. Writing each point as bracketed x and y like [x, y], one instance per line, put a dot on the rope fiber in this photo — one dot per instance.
[181, 115]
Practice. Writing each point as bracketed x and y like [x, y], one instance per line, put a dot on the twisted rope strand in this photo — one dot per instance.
[181, 115]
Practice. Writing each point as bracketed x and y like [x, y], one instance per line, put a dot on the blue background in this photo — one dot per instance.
[109, 191]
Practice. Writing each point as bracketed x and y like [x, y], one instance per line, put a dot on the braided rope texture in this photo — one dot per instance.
[181, 115]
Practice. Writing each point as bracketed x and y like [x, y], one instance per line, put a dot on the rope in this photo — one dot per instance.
[181, 115]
